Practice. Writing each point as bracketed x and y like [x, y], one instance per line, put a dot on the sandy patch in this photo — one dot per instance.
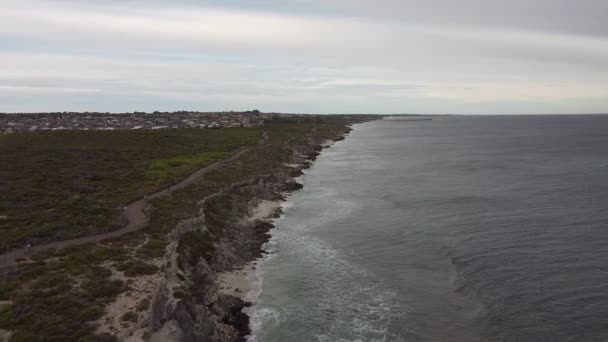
[236, 283]
[141, 289]
[5, 335]
[169, 332]
[264, 210]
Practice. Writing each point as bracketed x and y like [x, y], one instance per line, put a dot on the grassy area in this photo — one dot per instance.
[56, 300]
[63, 184]
[168, 211]
[60, 295]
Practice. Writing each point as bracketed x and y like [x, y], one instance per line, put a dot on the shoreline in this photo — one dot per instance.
[242, 282]
[192, 273]
[212, 260]
[238, 283]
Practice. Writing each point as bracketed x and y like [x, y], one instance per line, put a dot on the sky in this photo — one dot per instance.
[305, 56]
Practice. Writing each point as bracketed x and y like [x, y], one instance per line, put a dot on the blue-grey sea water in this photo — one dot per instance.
[491, 228]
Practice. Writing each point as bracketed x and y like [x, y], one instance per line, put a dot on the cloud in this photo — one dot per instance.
[582, 17]
[400, 56]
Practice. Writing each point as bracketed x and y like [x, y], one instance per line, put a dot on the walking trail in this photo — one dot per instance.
[136, 212]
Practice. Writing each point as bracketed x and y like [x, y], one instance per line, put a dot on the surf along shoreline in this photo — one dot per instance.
[262, 208]
[238, 282]
[201, 293]
[242, 282]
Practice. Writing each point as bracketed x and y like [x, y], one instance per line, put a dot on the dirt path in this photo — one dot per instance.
[135, 213]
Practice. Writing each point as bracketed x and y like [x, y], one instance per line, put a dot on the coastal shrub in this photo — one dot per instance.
[104, 291]
[42, 255]
[193, 246]
[99, 338]
[136, 267]
[6, 317]
[6, 289]
[218, 214]
[153, 248]
[109, 253]
[49, 281]
[180, 294]
[180, 165]
[56, 317]
[63, 184]
[92, 312]
[59, 309]
[143, 305]
[129, 316]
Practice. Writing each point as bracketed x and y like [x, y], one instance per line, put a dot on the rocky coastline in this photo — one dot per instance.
[190, 301]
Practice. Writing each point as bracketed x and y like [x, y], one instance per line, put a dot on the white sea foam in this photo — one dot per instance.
[311, 285]
[262, 317]
[359, 306]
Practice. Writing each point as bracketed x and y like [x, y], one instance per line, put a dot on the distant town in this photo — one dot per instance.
[31, 122]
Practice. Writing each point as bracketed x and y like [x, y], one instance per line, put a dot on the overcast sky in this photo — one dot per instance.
[318, 56]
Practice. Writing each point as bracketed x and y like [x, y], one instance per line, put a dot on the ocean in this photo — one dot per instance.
[461, 228]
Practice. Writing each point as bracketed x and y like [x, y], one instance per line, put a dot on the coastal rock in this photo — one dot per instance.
[189, 304]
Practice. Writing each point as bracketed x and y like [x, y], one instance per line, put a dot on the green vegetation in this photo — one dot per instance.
[133, 268]
[64, 184]
[143, 305]
[173, 168]
[168, 211]
[129, 317]
[57, 300]
[60, 295]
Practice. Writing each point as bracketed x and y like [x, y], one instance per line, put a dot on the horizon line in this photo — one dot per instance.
[288, 113]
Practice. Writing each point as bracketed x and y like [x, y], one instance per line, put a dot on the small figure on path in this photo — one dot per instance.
[28, 246]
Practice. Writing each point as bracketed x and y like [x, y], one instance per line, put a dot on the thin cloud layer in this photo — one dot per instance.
[336, 56]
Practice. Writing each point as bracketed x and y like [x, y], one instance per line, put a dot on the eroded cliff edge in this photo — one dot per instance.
[186, 302]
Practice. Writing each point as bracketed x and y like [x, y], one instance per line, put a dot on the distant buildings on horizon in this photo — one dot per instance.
[31, 122]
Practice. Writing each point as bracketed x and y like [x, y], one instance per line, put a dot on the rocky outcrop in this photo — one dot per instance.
[188, 305]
